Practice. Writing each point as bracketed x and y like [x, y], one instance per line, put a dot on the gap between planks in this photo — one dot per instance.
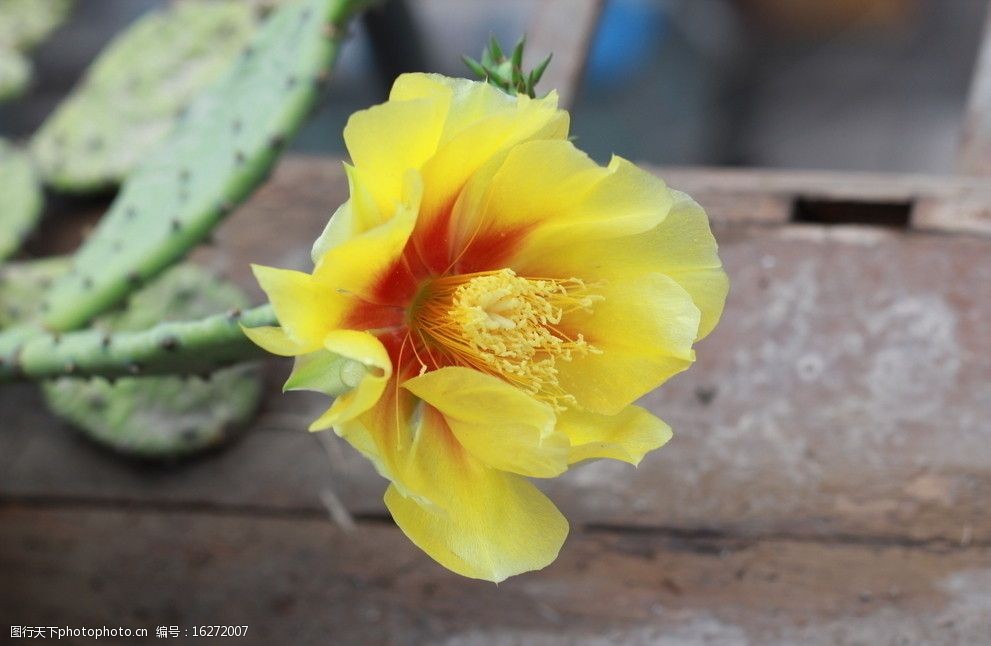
[704, 539]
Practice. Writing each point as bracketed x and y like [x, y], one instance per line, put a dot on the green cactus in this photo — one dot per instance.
[15, 73]
[21, 200]
[22, 285]
[220, 151]
[23, 24]
[162, 416]
[186, 347]
[133, 93]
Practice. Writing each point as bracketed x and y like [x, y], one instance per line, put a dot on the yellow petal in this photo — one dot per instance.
[472, 102]
[387, 140]
[687, 251]
[355, 267]
[548, 195]
[681, 247]
[369, 351]
[272, 339]
[488, 134]
[474, 520]
[304, 307]
[643, 329]
[497, 423]
[626, 436]
[359, 214]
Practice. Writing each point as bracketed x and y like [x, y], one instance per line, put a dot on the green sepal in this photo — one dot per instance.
[507, 74]
[474, 66]
[324, 372]
[538, 72]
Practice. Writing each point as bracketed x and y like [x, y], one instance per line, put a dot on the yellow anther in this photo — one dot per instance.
[506, 325]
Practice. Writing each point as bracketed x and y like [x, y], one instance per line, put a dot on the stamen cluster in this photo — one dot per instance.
[507, 325]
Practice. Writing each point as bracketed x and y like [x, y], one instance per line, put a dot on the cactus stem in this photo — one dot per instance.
[167, 348]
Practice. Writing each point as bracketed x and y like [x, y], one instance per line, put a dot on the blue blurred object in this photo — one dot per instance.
[630, 31]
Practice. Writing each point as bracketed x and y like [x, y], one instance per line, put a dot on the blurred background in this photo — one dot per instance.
[846, 84]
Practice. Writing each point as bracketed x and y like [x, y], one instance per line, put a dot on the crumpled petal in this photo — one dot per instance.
[497, 423]
[626, 436]
[363, 270]
[474, 520]
[390, 139]
[357, 215]
[681, 247]
[305, 308]
[548, 195]
[643, 331]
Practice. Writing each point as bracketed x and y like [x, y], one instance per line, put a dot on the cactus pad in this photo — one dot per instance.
[221, 149]
[15, 73]
[131, 96]
[20, 199]
[22, 285]
[23, 24]
[159, 417]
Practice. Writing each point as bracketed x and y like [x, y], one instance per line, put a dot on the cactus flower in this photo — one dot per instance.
[506, 300]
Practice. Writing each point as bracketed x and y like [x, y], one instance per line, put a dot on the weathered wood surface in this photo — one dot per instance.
[934, 203]
[300, 580]
[974, 156]
[833, 444]
[847, 390]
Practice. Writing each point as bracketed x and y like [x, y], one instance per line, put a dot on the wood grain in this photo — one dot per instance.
[301, 581]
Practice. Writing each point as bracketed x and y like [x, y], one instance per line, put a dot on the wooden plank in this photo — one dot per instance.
[974, 156]
[845, 392]
[301, 581]
[564, 28]
[938, 203]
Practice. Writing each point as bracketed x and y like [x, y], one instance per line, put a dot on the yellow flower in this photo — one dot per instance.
[508, 300]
